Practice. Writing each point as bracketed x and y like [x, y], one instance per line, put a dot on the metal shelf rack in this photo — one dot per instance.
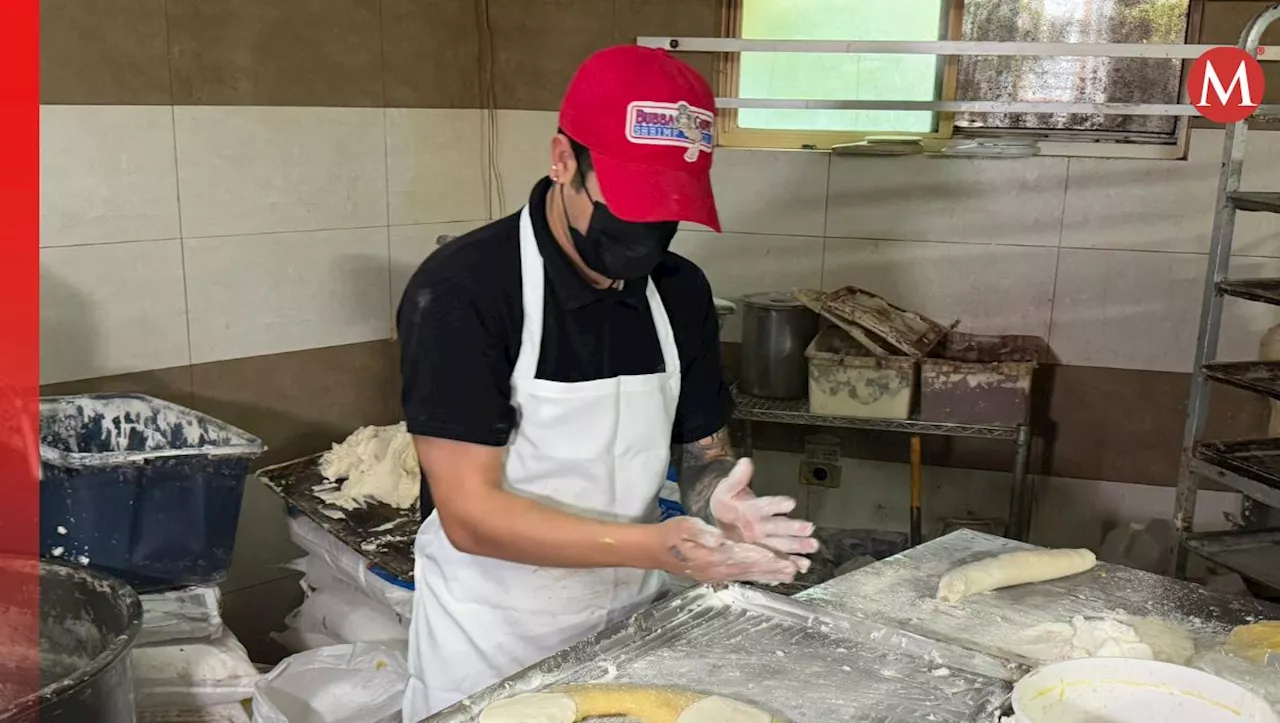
[1252, 466]
[750, 409]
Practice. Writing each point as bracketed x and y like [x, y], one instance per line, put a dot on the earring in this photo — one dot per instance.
[554, 175]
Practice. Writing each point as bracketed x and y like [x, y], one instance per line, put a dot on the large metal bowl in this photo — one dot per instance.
[88, 625]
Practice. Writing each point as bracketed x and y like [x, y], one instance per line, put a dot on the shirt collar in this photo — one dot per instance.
[568, 287]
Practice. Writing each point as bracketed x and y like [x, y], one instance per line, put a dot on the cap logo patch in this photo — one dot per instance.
[671, 124]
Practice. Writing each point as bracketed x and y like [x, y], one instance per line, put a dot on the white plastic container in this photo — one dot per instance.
[846, 380]
[1121, 690]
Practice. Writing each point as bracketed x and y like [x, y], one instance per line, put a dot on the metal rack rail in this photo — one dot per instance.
[957, 48]
[1253, 466]
[750, 409]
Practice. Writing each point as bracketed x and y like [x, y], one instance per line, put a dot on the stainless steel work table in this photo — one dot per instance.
[873, 645]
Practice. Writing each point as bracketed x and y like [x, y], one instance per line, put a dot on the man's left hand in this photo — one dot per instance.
[744, 517]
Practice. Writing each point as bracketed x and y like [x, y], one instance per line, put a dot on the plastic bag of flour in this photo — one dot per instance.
[329, 558]
[193, 674]
[342, 684]
[344, 616]
[186, 614]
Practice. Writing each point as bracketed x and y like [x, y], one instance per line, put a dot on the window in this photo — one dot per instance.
[921, 77]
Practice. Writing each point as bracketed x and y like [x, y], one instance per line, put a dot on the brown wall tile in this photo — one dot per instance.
[300, 403]
[431, 52]
[693, 18]
[173, 385]
[109, 52]
[283, 52]
[537, 44]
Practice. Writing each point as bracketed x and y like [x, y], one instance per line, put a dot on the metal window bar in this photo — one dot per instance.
[1209, 461]
[955, 47]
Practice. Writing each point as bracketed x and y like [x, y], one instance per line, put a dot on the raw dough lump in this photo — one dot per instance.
[378, 464]
[531, 708]
[1014, 568]
[648, 704]
[1142, 638]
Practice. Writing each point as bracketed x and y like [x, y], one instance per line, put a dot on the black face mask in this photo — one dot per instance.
[617, 249]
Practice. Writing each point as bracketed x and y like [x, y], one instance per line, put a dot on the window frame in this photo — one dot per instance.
[1053, 143]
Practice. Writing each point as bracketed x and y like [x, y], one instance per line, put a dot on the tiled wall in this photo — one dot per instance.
[235, 192]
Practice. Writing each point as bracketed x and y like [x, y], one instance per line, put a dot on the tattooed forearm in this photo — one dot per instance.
[702, 465]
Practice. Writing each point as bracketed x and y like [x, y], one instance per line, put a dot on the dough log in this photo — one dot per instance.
[1014, 568]
[649, 704]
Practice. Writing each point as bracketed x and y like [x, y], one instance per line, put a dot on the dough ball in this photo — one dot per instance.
[531, 708]
[1169, 642]
[715, 709]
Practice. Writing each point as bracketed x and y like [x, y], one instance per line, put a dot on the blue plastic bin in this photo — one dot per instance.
[140, 488]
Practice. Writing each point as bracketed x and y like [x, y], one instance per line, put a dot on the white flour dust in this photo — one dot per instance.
[1081, 638]
[128, 425]
[373, 464]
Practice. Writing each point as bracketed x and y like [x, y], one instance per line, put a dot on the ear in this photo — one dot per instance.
[563, 164]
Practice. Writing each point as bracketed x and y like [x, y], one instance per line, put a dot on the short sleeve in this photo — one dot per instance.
[705, 401]
[454, 361]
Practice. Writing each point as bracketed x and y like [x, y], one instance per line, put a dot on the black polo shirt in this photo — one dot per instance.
[460, 319]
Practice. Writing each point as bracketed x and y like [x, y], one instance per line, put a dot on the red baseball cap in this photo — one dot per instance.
[648, 120]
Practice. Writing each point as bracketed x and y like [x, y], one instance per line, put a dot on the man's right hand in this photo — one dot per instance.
[691, 548]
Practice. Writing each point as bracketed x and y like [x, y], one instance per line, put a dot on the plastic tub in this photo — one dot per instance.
[847, 380]
[88, 624]
[979, 379]
[1120, 690]
[141, 488]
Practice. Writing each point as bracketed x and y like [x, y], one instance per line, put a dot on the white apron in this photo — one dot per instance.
[598, 448]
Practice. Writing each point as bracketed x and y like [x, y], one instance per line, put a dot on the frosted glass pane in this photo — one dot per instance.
[822, 76]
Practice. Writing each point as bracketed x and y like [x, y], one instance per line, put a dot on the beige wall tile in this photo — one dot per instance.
[410, 245]
[989, 289]
[523, 156]
[1141, 310]
[260, 170]
[436, 165]
[1079, 513]
[770, 192]
[252, 295]
[984, 201]
[740, 264]
[1168, 205]
[111, 309]
[107, 174]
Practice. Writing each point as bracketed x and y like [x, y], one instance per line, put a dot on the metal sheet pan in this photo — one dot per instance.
[796, 661]
[379, 532]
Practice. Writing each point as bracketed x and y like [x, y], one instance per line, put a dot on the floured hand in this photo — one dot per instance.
[744, 517]
[691, 548]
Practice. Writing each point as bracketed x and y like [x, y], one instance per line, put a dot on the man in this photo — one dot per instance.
[549, 361]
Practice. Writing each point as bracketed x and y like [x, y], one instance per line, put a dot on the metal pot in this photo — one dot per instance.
[776, 329]
[88, 624]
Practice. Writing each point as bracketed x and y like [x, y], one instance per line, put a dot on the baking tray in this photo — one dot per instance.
[1257, 459]
[378, 531]
[799, 662]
